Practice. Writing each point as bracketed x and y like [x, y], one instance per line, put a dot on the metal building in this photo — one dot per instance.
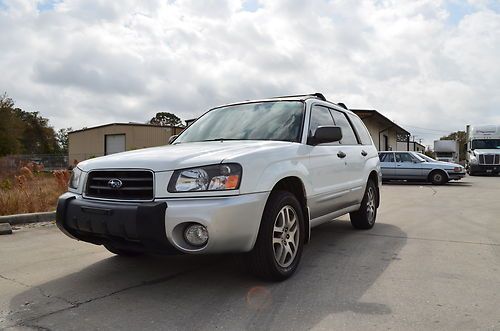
[116, 137]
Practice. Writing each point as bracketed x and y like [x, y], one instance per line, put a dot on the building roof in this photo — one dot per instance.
[128, 124]
[364, 113]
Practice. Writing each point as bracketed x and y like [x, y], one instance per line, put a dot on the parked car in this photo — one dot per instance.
[418, 167]
[251, 177]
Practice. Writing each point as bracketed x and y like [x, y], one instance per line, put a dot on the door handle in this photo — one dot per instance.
[364, 153]
[341, 154]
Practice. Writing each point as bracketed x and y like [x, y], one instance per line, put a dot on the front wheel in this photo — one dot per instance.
[278, 249]
[365, 217]
[438, 178]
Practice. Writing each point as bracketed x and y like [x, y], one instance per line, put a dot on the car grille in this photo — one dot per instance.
[135, 185]
[489, 159]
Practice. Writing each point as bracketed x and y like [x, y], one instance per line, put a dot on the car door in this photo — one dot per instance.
[407, 166]
[387, 165]
[356, 154]
[328, 169]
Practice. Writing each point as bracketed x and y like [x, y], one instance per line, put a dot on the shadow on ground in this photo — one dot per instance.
[207, 292]
[419, 183]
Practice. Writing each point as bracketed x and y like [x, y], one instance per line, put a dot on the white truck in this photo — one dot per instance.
[251, 177]
[446, 150]
[483, 149]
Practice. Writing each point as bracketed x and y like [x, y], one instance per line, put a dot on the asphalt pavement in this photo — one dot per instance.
[431, 262]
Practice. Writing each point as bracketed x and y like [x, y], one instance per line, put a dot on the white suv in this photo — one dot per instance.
[251, 177]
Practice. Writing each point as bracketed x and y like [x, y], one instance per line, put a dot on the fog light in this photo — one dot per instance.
[196, 234]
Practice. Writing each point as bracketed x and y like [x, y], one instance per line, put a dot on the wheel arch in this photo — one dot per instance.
[295, 186]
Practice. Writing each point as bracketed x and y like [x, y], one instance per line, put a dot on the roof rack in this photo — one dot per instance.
[342, 105]
[316, 95]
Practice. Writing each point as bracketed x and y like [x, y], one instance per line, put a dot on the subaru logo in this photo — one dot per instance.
[115, 183]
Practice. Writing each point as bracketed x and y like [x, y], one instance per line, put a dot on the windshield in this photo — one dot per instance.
[279, 120]
[486, 144]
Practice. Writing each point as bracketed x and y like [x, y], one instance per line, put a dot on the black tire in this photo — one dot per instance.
[438, 177]
[262, 260]
[365, 217]
[122, 252]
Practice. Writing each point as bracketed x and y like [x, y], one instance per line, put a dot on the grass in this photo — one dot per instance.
[31, 190]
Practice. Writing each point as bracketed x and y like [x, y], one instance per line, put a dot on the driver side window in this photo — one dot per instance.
[404, 157]
[320, 116]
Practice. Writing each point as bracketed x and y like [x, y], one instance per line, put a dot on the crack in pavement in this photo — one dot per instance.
[77, 304]
[39, 289]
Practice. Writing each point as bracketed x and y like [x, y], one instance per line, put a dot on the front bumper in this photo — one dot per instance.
[157, 227]
[456, 175]
[475, 168]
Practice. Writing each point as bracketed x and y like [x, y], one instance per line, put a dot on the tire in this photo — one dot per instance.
[122, 252]
[438, 177]
[365, 217]
[278, 249]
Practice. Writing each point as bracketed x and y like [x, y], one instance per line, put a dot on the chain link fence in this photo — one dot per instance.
[45, 162]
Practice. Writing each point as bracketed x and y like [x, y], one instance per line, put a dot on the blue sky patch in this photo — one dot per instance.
[251, 5]
[46, 5]
[457, 11]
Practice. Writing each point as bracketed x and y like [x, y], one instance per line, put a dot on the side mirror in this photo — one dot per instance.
[326, 134]
[172, 138]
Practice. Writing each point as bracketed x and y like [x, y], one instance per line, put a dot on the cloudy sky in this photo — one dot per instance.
[430, 65]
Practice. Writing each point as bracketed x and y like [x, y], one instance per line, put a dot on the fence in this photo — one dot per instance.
[47, 162]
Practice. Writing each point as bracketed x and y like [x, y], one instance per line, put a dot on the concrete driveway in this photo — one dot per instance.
[431, 262]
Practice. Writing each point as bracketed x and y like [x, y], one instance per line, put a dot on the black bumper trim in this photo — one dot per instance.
[133, 226]
[480, 168]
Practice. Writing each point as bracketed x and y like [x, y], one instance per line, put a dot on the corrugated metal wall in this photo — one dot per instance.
[89, 143]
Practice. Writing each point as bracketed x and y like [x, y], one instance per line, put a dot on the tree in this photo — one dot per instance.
[165, 119]
[11, 127]
[461, 137]
[62, 139]
[24, 132]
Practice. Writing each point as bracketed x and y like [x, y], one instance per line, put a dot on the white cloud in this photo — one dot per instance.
[87, 62]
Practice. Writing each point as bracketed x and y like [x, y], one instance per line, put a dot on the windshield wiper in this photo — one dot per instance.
[221, 139]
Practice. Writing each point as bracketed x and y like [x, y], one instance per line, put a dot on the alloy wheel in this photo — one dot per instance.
[286, 236]
[370, 205]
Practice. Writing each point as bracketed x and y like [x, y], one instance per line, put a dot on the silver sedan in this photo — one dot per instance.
[418, 167]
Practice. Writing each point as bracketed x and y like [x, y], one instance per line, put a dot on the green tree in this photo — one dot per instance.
[24, 132]
[461, 137]
[11, 127]
[165, 119]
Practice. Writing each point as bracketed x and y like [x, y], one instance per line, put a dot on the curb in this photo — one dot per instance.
[5, 228]
[28, 218]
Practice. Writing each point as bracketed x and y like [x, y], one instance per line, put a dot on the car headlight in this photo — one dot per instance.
[74, 180]
[220, 177]
[458, 169]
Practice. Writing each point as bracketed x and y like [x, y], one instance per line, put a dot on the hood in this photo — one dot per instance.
[444, 163]
[179, 156]
[487, 151]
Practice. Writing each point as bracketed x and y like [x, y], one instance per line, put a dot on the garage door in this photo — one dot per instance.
[114, 143]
